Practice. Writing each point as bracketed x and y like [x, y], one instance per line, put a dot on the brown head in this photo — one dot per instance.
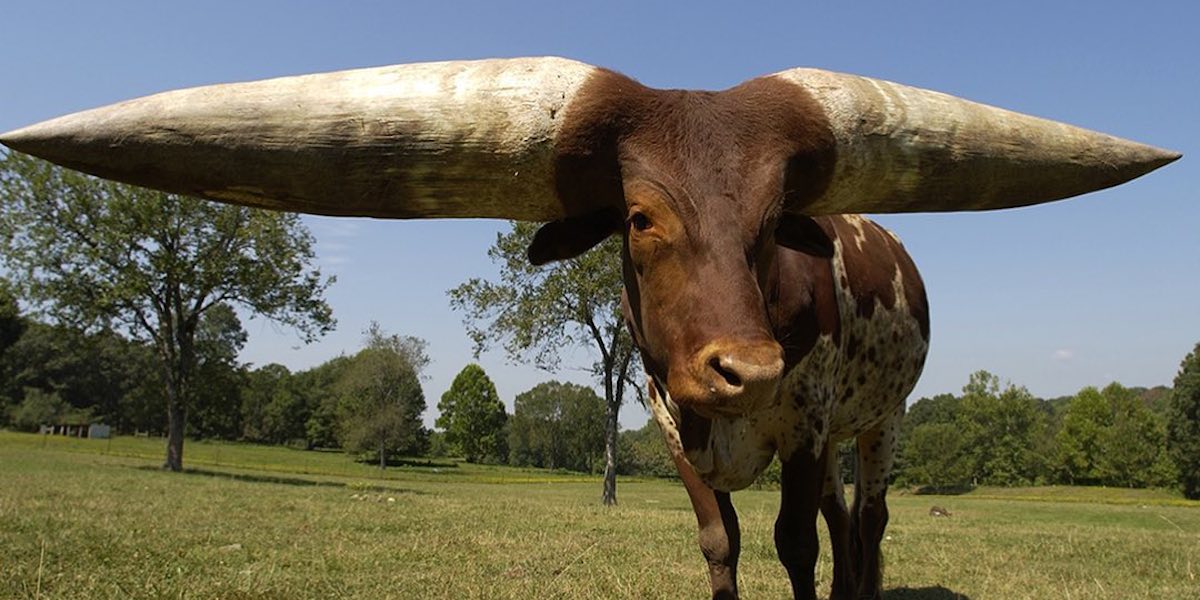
[703, 186]
[695, 182]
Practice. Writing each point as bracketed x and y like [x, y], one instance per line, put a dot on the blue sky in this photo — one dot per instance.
[1083, 292]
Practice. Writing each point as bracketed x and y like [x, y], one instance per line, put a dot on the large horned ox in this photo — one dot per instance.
[771, 319]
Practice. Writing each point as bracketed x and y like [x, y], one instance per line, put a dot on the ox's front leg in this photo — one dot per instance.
[837, 517]
[796, 527]
[720, 538]
[876, 449]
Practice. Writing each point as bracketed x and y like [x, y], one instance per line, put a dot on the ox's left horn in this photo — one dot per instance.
[449, 139]
[904, 149]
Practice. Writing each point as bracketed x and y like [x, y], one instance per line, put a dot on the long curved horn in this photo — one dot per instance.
[448, 139]
[904, 149]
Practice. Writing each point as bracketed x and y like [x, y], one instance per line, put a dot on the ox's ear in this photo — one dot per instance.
[803, 234]
[570, 237]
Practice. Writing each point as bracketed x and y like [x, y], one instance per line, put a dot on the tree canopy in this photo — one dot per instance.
[473, 416]
[1184, 424]
[557, 426]
[381, 402]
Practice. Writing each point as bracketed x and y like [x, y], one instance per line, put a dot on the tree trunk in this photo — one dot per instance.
[382, 457]
[610, 451]
[176, 416]
[177, 353]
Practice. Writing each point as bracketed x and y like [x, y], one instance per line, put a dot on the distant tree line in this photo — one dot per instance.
[1000, 434]
[370, 404]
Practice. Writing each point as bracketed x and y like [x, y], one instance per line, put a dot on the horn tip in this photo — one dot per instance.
[14, 138]
[1160, 157]
[33, 139]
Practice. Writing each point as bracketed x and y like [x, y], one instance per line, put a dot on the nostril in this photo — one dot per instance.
[729, 375]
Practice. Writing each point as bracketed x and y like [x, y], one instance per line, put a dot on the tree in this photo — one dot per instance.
[1111, 437]
[100, 372]
[12, 325]
[942, 408]
[45, 408]
[557, 426]
[1134, 446]
[643, 453]
[319, 388]
[217, 410]
[266, 399]
[537, 311]
[381, 397]
[473, 416]
[96, 253]
[1183, 437]
[1006, 436]
[936, 456]
[1078, 441]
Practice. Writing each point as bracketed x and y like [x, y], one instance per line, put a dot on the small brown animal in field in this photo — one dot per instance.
[937, 511]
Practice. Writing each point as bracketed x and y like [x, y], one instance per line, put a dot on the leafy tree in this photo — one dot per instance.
[473, 416]
[537, 311]
[936, 456]
[1134, 446]
[319, 389]
[1157, 399]
[644, 453]
[1183, 437]
[1079, 440]
[97, 253]
[942, 408]
[1111, 437]
[219, 339]
[1005, 432]
[12, 325]
[275, 410]
[557, 426]
[438, 448]
[45, 408]
[381, 398]
[11, 328]
[99, 372]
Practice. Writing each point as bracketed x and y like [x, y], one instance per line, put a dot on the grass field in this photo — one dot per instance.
[96, 519]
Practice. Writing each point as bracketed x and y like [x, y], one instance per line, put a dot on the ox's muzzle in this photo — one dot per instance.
[729, 378]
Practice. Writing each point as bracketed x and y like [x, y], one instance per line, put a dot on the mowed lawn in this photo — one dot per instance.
[96, 519]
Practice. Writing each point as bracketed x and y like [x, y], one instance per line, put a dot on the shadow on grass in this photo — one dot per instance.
[411, 462]
[925, 593]
[945, 490]
[284, 480]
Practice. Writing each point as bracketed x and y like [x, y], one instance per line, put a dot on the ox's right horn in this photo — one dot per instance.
[449, 139]
[904, 149]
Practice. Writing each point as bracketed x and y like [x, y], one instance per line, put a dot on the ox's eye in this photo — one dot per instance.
[640, 221]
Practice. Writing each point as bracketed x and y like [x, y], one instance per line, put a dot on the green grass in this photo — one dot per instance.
[89, 519]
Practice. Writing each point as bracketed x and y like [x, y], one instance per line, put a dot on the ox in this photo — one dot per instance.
[770, 319]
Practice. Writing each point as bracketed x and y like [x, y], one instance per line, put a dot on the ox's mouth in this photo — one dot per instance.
[726, 450]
